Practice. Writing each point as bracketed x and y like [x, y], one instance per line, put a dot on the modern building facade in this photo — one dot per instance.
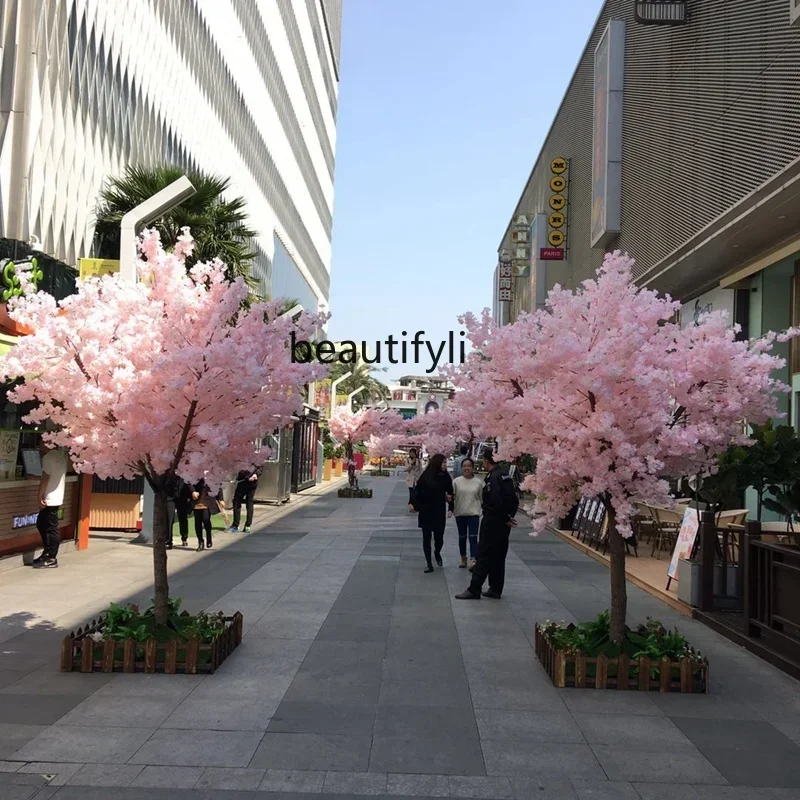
[680, 144]
[241, 88]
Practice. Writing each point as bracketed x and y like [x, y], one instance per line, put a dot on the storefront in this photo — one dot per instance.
[305, 450]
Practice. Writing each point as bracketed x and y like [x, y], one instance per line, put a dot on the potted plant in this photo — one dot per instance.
[649, 658]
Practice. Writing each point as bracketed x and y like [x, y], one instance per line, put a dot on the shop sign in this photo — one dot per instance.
[27, 520]
[90, 267]
[519, 267]
[609, 74]
[558, 183]
[558, 202]
[556, 220]
[10, 284]
[555, 238]
[558, 166]
[551, 254]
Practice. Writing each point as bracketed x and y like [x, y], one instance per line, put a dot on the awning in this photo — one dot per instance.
[758, 224]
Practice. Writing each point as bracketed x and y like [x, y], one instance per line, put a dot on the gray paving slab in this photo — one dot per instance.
[418, 785]
[317, 717]
[314, 751]
[13, 737]
[108, 710]
[293, 781]
[528, 726]
[549, 761]
[621, 764]
[632, 731]
[105, 775]
[19, 792]
[358, 783]
[168, 777]
[426, 756]
[168, 747]
[230, 778]
[84, 744]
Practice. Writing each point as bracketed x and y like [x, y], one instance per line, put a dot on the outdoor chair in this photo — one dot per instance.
[668, 523]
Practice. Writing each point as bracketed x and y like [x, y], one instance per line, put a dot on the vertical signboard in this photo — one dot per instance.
[609, 75]
[538, 279]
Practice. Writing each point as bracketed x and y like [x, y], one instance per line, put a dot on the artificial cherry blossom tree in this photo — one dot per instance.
[381, 447]
[613, 398]
[166, 377]
[353, 428]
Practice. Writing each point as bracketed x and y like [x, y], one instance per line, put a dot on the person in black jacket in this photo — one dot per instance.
[433, 498]
[499, 505]
[179, 504]
[245, 492]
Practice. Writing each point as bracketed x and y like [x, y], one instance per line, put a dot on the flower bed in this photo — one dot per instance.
[349, 492]
[650, 659]
[123, 640]
[379, 473]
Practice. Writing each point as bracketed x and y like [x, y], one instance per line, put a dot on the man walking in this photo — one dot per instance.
[51, 496]
[246, 485]
[499, 505]
[457, 470]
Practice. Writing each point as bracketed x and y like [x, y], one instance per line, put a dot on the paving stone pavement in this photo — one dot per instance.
[361, 676]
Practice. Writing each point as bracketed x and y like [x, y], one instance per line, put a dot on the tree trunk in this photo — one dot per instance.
[619, 593]
[351, 467]
[160, 535]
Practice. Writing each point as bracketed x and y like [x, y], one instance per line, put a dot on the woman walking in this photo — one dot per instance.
[202, 514]
[413, 471]
[468, 494]
[433, 498]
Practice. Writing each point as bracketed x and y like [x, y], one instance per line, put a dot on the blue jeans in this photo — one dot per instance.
[468, 527]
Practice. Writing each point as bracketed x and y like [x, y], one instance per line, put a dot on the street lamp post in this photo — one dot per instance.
[139, 216]
[352, 395]
[334, 384]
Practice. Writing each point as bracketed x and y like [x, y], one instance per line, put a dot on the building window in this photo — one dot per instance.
[794, 345]
[661, 12]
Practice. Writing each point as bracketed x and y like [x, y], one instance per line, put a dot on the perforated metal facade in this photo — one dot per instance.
[711, 112]
[242, 88]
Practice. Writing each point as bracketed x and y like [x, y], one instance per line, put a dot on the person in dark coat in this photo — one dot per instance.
[205, 506]
[179, 504]
[433, 502]
[245, 492]
[499, 505]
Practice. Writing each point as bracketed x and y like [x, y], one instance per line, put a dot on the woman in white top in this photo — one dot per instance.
[468, 491]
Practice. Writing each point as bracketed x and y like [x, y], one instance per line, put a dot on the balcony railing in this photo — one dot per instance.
[661, 12]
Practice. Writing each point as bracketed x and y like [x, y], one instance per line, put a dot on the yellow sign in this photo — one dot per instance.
[557, 183]
[558, 202]
[89, 267]
[556, 220]
[556, 238]
[558, 166]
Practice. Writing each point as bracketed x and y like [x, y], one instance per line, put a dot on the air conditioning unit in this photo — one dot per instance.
[661, 12]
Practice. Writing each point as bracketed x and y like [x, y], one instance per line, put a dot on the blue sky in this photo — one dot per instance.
[443, 108]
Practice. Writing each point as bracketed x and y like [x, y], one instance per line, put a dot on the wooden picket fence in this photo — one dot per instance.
[568, 670]
[80, 653]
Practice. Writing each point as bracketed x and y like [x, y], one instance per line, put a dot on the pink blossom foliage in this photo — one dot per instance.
[611, 395]
[356, 427]
[384, 446]
[168, 374]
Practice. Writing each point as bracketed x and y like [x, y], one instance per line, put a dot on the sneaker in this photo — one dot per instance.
[463, 564]
[47, 563]
[200, 547]
[184, 542]
[37, 562]
[492, 594]
[246, 530]
[233, 529]
[472, 563]
[428, 569]
[438, 559]
[468, 595]
[209, 544]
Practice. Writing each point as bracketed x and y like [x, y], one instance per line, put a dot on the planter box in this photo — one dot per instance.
[80, 653]
[689, 580]
[348, 492]
[568, 670]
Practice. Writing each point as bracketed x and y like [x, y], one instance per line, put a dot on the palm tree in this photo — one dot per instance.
[362, 376]
[218, 225]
